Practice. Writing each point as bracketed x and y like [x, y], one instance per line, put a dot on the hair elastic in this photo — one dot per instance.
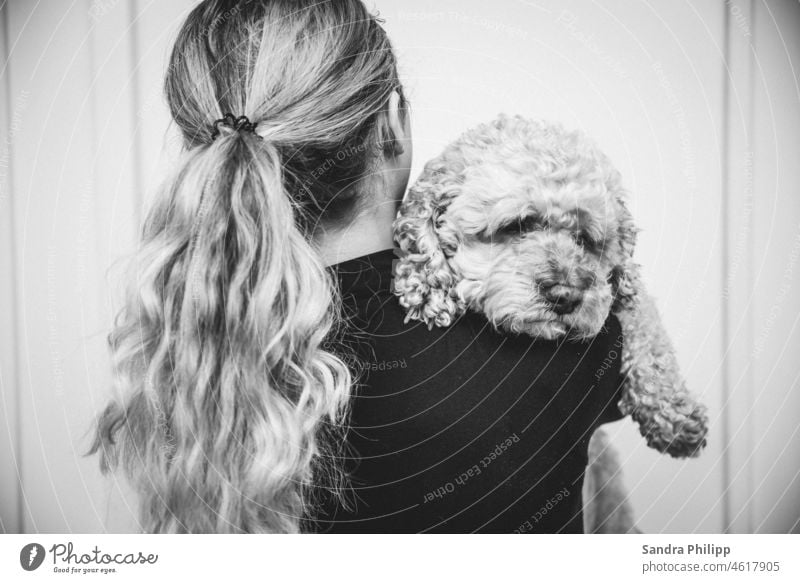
[240, 123]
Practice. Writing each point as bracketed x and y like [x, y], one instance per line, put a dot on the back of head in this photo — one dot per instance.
[226, 394]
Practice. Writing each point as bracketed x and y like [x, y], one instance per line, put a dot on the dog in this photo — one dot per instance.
[527, 223]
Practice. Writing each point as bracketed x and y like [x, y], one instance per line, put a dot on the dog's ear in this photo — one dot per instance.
[423, 278]
[625, 275]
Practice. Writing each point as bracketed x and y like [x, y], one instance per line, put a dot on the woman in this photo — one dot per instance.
[230, 350]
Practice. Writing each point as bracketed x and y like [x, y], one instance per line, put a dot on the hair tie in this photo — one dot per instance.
[240, 123]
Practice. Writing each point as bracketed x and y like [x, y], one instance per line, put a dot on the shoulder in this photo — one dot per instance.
[391, 356]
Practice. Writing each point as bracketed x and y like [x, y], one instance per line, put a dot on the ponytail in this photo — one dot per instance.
[219, 346]
[228, 408]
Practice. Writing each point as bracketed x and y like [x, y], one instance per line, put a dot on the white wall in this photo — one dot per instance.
[696, 102]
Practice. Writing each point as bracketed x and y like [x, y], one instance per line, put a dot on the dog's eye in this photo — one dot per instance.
[585, 241]
[519, 226]
[529, 223]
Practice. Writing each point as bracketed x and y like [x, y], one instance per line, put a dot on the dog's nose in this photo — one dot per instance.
[563, 299]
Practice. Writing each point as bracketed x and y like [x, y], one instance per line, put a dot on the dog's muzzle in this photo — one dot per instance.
[563, 299]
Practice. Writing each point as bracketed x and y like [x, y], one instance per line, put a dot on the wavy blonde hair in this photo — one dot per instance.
[228, 403]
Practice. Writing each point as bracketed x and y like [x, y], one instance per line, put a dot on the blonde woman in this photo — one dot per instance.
[265, 379]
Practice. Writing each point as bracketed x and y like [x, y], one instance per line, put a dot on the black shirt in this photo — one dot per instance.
[463, 429]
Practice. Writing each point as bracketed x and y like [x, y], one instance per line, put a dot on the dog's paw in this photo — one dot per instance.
[545, 330]
[678, 427]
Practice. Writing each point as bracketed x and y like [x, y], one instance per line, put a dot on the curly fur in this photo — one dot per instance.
[516, 212]
[655, 392]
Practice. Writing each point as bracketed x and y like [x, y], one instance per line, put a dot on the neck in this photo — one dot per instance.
[369, 232]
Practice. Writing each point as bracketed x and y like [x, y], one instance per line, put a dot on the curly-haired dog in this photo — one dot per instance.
[526, 223]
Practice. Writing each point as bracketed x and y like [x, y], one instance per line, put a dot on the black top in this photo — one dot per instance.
[464, 429]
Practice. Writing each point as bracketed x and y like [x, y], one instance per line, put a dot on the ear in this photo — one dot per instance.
[394, 128]
[398, 122]
[423, 278]
[625, 275]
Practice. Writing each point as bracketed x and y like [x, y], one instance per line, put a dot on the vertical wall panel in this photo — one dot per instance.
[761, 337]
[776, 271]
[42, 355]
[52, 163]
[76, 215]
[11, 118]
[737, 298]
[116, 200]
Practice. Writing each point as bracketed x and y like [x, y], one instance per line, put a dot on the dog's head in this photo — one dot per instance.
[522, 221]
